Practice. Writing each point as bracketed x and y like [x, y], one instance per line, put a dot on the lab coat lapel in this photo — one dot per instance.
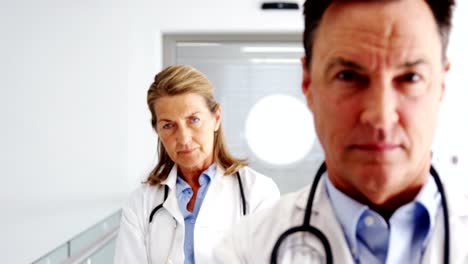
[172, 238]
[324, 218]
[213, 197]
[458, 217]
[171, 204]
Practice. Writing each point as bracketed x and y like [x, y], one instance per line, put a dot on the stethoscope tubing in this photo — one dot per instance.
[306, 227]
[166, 193]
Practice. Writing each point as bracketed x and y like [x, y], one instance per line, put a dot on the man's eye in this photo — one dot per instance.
[347, 76]
[410, 77]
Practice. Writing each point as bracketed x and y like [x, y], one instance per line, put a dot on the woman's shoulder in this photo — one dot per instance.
[262, 189]
[143, 190]
[249, 171]
[253, 176]
[143, 195]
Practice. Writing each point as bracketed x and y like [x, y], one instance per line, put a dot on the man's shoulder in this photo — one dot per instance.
[268, 223]
[252, 239]
[457, 193]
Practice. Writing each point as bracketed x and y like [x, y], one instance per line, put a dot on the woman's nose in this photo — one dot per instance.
[183, 135]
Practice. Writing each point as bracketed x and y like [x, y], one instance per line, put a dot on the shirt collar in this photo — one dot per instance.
[205, 177]
[349, 211]
[429, 198]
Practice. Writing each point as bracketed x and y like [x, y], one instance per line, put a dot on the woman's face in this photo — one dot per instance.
[186, 128]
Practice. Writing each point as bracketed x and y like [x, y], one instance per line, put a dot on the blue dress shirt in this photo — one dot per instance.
[184, 194]
[401, 239]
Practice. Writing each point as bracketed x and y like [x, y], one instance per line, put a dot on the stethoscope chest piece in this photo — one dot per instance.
[301, 247]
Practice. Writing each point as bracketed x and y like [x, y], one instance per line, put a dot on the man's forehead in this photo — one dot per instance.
[383, 10]
[404, 35]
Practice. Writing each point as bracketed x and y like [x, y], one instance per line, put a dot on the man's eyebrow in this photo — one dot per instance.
[410, 64]
[339, 61]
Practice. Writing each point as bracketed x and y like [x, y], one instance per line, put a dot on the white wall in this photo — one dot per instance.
[74, 123]
[64, 67]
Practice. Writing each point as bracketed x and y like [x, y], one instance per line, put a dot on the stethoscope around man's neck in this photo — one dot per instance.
[306, 227]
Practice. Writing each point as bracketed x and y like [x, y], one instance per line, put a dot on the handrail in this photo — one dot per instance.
[70, 252]
[87, 252]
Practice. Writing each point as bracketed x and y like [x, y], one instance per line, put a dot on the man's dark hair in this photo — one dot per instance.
[314, 10]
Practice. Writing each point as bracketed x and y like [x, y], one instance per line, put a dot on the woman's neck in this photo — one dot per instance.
[191, 177]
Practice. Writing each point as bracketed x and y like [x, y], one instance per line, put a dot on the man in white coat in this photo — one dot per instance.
[373, 76]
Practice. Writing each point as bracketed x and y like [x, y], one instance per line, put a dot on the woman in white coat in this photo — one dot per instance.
[197, 189]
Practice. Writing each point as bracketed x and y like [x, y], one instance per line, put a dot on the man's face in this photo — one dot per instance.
[375, 84]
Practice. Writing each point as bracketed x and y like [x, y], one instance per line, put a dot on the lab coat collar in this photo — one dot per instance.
[215, 188]
[171, 204]
[212, 196]
[457, 199]
[455, 191]
[301, 202]
[455, 188]
[171, 179]
[323, 218]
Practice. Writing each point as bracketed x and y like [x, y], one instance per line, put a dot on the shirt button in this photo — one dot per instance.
[369, 220]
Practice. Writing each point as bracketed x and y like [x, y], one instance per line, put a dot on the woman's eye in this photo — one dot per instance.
[195, 119]
[167, 126]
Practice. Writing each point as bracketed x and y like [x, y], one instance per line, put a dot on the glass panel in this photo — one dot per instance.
[57, 256]
[83, 240]
[104, 256]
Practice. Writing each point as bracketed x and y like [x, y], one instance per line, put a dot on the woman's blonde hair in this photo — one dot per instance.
[184, 79]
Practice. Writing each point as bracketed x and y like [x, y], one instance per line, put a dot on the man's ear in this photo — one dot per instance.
[306, 83]
[444, 74]
[305, 75]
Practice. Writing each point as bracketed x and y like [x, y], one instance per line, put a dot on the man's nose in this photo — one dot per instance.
[380, 106]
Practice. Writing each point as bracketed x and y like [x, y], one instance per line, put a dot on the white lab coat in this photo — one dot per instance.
[221, 208]
[253, 239]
